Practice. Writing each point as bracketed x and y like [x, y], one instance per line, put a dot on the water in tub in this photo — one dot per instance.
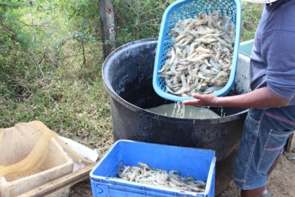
[178, 110]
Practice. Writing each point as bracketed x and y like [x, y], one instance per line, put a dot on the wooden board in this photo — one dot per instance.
[291, 143]
[58, 184]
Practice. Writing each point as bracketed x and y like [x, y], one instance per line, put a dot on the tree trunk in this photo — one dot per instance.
[108, 26]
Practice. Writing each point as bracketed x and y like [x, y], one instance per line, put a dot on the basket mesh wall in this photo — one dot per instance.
[184, 10]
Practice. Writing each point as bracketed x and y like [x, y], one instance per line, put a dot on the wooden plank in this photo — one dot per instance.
[55, 185]
[291, 143]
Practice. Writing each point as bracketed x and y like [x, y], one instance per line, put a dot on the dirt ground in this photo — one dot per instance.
[281, 182]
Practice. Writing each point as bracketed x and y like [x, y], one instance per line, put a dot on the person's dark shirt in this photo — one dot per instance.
[273, 52]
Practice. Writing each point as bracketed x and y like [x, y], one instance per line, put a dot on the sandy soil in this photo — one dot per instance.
[281, 182]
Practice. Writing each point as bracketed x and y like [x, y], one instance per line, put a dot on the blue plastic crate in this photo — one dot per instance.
[184, 9]
[198, 163]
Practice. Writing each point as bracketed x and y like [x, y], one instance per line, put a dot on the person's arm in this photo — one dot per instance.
[259, 98]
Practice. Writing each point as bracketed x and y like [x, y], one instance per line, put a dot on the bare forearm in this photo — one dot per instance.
[259, 98]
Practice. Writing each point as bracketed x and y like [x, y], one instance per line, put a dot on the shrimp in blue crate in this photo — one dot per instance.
[158, 177]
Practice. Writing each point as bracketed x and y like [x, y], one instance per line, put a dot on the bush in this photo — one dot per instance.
[50, 65]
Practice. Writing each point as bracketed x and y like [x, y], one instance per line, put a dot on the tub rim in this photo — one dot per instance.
[114, 95]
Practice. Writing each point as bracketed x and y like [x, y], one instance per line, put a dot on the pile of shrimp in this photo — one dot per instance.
[200, 58]
[158, 177]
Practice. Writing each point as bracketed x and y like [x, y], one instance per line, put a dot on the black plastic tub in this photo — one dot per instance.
[127, 75]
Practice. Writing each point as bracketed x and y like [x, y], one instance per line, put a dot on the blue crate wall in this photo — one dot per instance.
[188, 161]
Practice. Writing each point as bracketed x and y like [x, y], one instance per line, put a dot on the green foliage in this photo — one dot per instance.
[10, 14]
[51, 57]
[139, 19]
[251, 13]
[12, 4]
[50, 61]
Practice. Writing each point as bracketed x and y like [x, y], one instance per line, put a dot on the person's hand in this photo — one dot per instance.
[201, 100]
[259, 98]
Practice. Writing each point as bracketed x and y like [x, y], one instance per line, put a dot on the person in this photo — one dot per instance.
[271, 102]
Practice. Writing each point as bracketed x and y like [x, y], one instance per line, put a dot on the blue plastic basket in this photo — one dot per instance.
[184, 9]
[199, 163]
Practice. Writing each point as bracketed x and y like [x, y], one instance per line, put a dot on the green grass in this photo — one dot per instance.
[51, 83]
[251, 13]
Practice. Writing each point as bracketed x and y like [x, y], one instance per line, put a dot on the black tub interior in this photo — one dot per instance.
[132, 79]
